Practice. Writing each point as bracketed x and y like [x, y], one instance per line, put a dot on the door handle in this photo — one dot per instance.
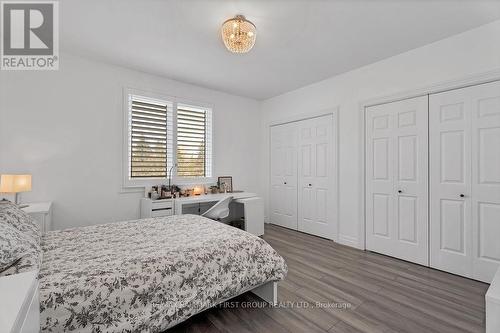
[462, 195]
[284, 183]
[400, 191]
[310, 184]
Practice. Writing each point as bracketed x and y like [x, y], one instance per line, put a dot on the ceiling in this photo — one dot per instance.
[298, 41]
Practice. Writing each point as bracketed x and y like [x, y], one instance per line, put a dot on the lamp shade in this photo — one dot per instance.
[15, 183]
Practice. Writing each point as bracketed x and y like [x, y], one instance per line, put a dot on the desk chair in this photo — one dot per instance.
[220, 210]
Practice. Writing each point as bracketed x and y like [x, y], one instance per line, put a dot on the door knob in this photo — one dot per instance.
[284, 183]
[400, 191]
[310, 184]
[462, 195]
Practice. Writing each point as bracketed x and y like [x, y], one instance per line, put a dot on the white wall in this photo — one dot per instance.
[46, 118]
[475, 51]
[65, 128]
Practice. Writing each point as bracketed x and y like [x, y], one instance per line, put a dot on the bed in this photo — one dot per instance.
[149, 274]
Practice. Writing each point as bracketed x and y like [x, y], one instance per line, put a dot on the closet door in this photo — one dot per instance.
[283, 196]
[465, 181]
[315, 177]
[397, 179]
[450, 182]
[486, 180]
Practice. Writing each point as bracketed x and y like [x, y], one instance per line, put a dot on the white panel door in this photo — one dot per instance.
[283, 193]
[397, 179]
[450, 187]
[485, 114]
[315, 177]
[465, 181]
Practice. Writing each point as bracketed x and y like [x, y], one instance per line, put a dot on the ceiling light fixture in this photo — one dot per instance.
[239, 34]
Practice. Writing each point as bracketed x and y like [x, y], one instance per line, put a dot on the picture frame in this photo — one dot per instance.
[228, 180]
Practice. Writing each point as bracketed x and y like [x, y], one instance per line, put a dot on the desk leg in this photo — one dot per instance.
[177, 208]
[254, 216]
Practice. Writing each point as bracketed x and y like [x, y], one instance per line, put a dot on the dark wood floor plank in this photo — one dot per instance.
[396, 321]
[385, 295]
[342, 327]
[227, 321]
[448, 278]
[452, 317]
[197, 324]
[320, 317]
[253, 317]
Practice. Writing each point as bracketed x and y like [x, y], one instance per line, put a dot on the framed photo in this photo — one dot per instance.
[228, 181]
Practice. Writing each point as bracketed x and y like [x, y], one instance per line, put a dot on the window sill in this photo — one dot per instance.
[132, 186]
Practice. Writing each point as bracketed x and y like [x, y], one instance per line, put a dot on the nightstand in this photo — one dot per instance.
[42, 213]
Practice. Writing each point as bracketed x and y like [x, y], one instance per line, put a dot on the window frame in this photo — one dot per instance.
[172, 101]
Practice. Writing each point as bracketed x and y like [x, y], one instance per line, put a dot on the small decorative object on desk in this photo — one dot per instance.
[226, 183]
[154, 195]
[159, 192]
[197, 190]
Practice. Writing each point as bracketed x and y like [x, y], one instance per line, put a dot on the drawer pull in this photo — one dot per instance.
[160, 209]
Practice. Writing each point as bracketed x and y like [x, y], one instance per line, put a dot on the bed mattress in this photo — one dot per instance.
[147, 275]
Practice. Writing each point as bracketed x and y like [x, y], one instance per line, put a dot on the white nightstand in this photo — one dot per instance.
[41, 212]
[19, 308]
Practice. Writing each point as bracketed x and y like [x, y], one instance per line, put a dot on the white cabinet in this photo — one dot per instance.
[303, 176]
[156, 208]
[462, 158]
[465, 181]
[396, 179]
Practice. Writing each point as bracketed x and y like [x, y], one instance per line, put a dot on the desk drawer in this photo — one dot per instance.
[161, 204]
[161, 212]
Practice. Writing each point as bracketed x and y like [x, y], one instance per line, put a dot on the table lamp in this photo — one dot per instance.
[15, 184]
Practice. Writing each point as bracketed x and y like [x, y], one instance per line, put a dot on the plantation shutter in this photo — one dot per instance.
[149, 150]
[193, 142]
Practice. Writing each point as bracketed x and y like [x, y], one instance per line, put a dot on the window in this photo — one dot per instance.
[149, 147]
[193, 141]
[151, 125]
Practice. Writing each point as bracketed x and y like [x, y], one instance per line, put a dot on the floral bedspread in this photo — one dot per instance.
[147, 275]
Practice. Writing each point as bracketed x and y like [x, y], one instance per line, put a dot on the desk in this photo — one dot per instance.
[245, 204]
[194, 199]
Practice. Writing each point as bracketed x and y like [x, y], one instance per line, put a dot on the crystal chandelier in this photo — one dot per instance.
[239, 34]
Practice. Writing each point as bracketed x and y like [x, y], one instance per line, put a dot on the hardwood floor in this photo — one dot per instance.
[366, 292]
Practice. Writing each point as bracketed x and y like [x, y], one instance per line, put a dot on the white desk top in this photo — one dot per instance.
[17, 291]
[213, 197]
